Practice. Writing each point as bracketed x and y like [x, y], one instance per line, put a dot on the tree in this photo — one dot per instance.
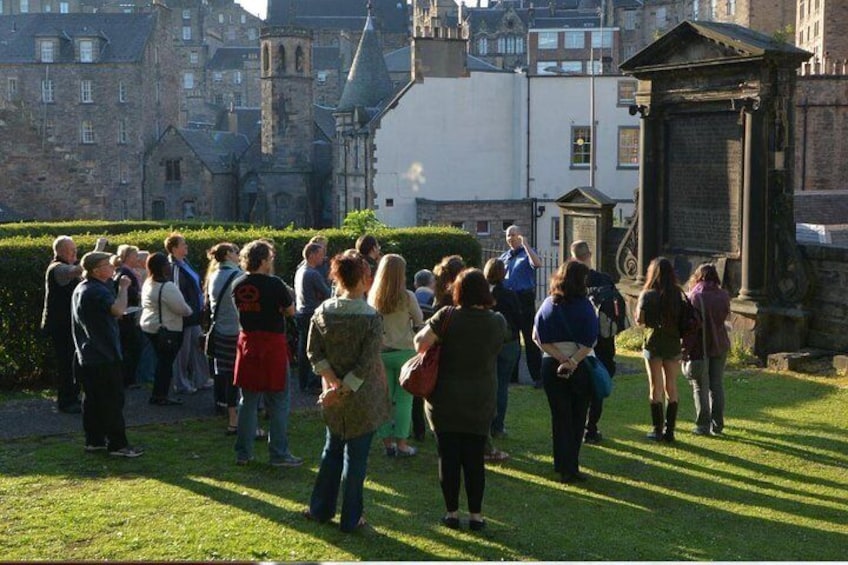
[362, 221]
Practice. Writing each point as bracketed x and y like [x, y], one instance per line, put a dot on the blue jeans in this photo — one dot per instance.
[343, 461]
[277, 404]
[507, 362]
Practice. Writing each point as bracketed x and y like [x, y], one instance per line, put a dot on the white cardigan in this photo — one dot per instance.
[174, 307]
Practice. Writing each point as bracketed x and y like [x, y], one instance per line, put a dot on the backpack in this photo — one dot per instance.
[611, 310]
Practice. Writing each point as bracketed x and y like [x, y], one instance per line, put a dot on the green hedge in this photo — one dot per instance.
[25, 358]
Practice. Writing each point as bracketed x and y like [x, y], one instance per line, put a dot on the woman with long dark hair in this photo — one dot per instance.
[658, 311]
[162, 305]
[705, 368]
[566, 329]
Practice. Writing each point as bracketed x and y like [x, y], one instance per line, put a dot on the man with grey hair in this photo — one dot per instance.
[601, 290]
[95, 309]
[311, 289]
[521, 263]
[60, 280]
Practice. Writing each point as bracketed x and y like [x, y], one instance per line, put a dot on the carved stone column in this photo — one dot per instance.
[754, 205]
[648, 243]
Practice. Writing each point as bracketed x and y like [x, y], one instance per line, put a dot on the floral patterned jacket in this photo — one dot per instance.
[346, 335]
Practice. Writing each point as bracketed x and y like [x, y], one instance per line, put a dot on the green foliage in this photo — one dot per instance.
[630, 339]
[740, 354]
[26, 254]
[362, 221]
[785, 34]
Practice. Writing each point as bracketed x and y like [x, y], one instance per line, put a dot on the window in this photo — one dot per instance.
[188, 81]
[46, 51]
[602, 39]
[696, 9]
[64, 7]
[630, 20]
[572, 67]
[801, 12]
[237, 77]
[47, 91]
[236, 98]
[220, 18]
[87, 131]
[483, 227]
[186, 14]
[713, 9]
[357, 203]
[298, 60]
[231, 33]
[628, 147]
[243, 19]
[123, 136]
[24, 6]
[188, 210]
[158, 210]
[186, 33]
[122, 92]
[575, 40]
[510, 44]
[12, 88]
[172, 170]
[390, 202]
[555, 230]
[581, 146]
[661, 19]
[1, 7]
[506, 223]
[48, 8]
[251, 33]
[626, 92]
[322, 77]
[482, 46]
[596, 67]
[85, 92]
[123, 173]
[217, 76]
[548, 40]
[219, 99]
[460, 225]
[193, 57]
[86, 47]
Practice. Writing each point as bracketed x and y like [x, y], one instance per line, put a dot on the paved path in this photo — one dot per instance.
[39, 417]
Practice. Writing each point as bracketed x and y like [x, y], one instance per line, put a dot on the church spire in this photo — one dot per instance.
[368, 82]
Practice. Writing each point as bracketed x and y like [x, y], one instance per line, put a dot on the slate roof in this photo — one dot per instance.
[126, 35]
[249, 121]
[229, 58]
[215, 148]
[542, 18]
[390, 16]
[326, 57]
[368, 82]
[627, 3]
[324, 120]
[399, 61]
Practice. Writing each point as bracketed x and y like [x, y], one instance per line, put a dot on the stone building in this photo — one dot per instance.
[233, 78]
[17, 7]
[193, 172]
[820, 28]
[92, 92]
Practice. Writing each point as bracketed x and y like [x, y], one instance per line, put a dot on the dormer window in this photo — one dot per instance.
[86, 51]
[47, 50]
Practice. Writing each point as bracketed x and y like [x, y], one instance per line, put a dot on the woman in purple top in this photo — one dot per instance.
[565, 329]
[705, 368]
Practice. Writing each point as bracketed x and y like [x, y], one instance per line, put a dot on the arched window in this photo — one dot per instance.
[281, 59]
[298, 60]
[266, 59]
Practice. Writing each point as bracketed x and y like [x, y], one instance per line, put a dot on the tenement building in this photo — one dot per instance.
[88, 94]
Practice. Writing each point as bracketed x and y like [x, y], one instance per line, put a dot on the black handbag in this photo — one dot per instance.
[168, 342]
[209, 344]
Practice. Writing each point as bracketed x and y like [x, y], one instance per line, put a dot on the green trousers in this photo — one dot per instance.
[401, 417]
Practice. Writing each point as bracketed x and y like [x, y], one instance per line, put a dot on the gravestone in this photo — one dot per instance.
[716, 109]
[585, 214]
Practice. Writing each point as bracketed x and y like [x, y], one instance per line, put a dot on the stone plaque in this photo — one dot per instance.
[585, 228]
[705, 166]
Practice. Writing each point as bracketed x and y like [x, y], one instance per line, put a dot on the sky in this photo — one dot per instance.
[258, 7]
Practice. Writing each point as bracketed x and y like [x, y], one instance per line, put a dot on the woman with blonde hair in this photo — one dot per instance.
[658, 310]
[401, 314]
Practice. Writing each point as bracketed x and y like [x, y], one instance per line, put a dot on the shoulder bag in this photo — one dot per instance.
[209, 338]
[418, 375]
[168, 342]
[598, 374]
[694, 365]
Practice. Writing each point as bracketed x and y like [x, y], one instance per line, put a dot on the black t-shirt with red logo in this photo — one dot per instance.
[261, 301]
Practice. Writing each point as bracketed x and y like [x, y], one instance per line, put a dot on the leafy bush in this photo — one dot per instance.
[28, 360]
[630, 339]
[362, 221]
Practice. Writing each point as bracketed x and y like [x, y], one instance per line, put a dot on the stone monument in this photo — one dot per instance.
[715, 180]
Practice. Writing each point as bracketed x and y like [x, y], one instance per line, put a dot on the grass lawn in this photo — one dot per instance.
[775, 488]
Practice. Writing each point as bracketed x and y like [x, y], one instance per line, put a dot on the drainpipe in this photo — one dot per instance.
[803, 106]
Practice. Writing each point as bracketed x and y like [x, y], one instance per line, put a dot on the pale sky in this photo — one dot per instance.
[258, 7]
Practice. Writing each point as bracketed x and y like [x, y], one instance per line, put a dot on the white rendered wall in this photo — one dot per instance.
[450, 139]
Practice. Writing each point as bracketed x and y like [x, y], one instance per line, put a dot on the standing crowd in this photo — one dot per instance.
[352, 323]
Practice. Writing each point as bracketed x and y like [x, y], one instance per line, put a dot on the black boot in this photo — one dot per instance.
[670, 421]
[657, 420]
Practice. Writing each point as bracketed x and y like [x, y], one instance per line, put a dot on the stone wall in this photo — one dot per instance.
[828, 301]
[486, 219]
[821, 133]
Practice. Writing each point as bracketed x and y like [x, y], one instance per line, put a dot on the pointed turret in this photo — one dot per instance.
[368, 81]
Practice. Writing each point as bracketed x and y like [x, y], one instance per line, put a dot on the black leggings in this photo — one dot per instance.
[461, 452]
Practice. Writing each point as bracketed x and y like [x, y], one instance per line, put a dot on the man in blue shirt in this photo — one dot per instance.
[95, 310]
[521, 263]
[311, 289]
